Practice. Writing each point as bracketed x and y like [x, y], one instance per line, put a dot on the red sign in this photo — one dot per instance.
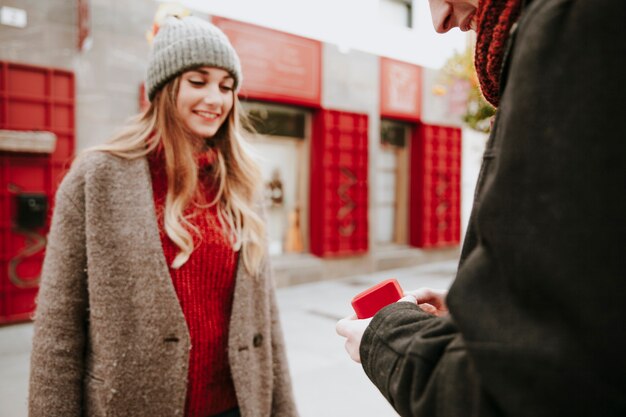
[276, 66]
[144, 104]
[400, 90]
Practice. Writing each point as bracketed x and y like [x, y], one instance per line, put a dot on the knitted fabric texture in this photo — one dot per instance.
[494, 21]
[185, 43]
[204, 285]
[104, 266]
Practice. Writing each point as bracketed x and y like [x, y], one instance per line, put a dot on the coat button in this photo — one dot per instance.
[257, 340]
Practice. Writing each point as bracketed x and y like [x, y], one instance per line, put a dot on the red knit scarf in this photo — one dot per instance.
[494, 21]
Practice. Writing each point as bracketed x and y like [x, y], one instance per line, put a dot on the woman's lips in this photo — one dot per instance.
[206, 114]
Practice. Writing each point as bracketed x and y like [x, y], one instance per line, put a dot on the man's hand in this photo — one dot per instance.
[352, 329]
[430, 300]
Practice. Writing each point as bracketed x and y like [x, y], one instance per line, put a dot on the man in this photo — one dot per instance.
[537, 312]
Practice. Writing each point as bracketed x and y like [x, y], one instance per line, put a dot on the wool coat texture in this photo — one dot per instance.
[537, 312]
[110, 337]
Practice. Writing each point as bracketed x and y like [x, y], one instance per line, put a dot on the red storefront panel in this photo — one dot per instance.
[144, 103]
[435, 187]
[400, 90]
[277, 66]
[339, 198]
[31, 99]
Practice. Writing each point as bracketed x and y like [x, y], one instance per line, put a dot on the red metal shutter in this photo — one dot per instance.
[31, 99]
[435, 200]
[339, 201]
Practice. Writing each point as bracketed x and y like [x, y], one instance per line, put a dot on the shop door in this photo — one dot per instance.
[391, 184]
[435, 187]
[339, 218]
[281, 146]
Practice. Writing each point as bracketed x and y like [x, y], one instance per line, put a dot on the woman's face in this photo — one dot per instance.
[448, 14]
[205, 98]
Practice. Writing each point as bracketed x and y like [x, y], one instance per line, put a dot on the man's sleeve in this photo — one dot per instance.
[420, 364]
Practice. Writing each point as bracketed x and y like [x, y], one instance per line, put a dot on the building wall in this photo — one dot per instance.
[349, 24]
[49, 39]
[109, 72]
[474, 143]
[350, 84]
[350, 80]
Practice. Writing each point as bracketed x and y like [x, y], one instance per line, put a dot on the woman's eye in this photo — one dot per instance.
[196, 82]
[226, 88]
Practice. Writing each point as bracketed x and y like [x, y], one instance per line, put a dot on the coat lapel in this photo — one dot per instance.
[152, 246]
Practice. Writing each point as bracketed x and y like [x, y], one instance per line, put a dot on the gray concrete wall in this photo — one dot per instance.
[49, 39]
[108, 74]
[350, 80]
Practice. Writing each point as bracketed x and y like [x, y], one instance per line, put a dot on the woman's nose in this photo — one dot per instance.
[212, 96]
[441, 13]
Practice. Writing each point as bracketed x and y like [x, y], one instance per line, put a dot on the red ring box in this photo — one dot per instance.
[368, 302]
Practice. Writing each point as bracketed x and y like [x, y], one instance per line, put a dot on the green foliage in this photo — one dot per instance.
[479, 112]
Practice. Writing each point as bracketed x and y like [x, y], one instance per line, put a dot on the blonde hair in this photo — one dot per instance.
[237, 175]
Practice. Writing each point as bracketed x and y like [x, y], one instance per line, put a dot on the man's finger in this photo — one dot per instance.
[410, 298]
[428, 308]
[340, 327]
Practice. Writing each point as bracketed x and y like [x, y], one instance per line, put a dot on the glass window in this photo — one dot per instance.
[393, 133]
[396, 12]
[273, 120]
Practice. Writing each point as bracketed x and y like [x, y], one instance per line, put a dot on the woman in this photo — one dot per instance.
[156, 295]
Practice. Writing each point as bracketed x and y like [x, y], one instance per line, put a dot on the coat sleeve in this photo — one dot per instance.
[413, 358]
[56, 369]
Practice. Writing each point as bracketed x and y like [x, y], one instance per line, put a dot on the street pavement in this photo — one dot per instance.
[327, 383]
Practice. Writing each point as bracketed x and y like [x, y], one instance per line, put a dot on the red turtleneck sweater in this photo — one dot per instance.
[205, 285]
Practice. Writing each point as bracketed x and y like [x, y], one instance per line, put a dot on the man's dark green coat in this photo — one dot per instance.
[538, 307]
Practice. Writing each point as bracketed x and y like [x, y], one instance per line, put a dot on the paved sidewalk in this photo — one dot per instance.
[326, 382]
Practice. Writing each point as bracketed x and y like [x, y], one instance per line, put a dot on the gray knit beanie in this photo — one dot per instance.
[185, 43]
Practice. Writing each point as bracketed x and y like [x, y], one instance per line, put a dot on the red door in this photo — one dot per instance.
[32, 99]
[435, 196]
[339, 200]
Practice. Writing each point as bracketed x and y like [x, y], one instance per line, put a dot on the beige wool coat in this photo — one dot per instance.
[110, 337]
